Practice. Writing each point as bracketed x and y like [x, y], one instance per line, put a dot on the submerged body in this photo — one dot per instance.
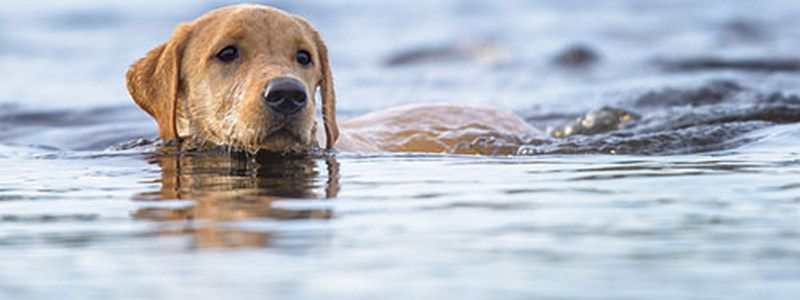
[438, 128]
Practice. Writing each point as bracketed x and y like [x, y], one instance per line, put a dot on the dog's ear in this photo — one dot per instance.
[154, 82]
[326, 87]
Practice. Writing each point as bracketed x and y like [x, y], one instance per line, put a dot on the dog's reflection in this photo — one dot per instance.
[226, 188]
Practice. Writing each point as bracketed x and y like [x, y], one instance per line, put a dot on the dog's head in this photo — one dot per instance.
[244, 76]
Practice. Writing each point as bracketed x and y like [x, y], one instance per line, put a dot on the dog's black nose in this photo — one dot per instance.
[285, 96]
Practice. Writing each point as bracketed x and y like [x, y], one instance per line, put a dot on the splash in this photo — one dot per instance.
[715, 116]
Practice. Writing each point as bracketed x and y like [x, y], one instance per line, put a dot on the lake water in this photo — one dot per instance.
[696, 196]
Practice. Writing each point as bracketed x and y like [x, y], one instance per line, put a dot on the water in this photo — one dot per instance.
[696, 196]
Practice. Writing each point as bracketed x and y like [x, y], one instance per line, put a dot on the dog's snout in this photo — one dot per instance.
[285, 96]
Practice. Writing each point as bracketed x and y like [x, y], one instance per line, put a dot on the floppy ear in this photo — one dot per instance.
[326, 87]
[154, 81]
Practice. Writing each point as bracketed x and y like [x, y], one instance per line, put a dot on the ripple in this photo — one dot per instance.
[46, 218]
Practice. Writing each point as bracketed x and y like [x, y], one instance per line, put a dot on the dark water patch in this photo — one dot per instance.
[594, 191]
[92, 155]
[577, 56]
[417, 56]
[710, 93]
[487, 53]
[530, 191]
[779, 253]
[91, 129]
[12, 197]
[428, 195]
[103, 137]
[748, 65]
[717, 166]
[69, 240]
[29, 196]
[744, 30]
[594, 231]
[638, 204]
[59, 191]
[75, 239]
[12, 115]
[637, 175]
[46, 218]
[787, 187]
[482, 206]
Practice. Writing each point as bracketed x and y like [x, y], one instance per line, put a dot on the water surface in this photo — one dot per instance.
[697, 195]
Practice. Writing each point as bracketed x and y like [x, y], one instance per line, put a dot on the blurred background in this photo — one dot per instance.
[511, 54]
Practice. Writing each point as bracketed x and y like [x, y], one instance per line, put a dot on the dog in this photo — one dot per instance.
[246, 76]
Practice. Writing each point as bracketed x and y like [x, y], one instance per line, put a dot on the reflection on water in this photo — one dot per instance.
[225, 188]
[425, 225]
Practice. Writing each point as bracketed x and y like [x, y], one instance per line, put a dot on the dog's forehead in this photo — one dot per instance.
[251, 18]
[248, 25]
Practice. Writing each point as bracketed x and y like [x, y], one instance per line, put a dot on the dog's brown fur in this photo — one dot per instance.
[199, 100]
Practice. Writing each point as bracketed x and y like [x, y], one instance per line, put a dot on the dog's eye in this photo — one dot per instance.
[303, 58]
[228, 54]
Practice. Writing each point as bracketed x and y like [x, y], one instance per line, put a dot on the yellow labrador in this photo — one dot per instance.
[246, 76]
